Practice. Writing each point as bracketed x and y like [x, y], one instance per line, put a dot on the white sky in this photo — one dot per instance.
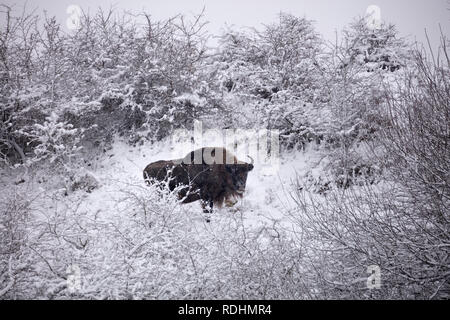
[410, 16]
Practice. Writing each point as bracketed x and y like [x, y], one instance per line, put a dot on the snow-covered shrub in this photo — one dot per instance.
[110, 77]
[18, 40]
[54, 141]
[417, 142]
[33, 67]
[268, 78]
[400, 225]
[350, 103]
[374, 48]
[14, 224]
[83, 180]
[142, 244]
[350, 230]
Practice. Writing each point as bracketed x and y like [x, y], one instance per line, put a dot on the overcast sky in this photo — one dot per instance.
[410, 16]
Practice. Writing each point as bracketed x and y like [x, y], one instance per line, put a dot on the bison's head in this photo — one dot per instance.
[227, 176]
[238, 173]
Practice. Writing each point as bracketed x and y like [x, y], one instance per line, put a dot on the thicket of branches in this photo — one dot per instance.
[146, 247]
[123, 74]
[401, 225]
[110, 77]
[378, 107]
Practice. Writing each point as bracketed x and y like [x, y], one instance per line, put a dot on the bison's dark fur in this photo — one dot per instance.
[212, 175]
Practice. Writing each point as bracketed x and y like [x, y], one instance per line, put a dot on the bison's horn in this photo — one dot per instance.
[252, 161]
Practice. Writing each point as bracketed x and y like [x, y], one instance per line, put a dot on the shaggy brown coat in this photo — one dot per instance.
[212, 175]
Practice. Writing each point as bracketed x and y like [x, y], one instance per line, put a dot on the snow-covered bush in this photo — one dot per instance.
[143, 245]
[268, 78]
[350, 104]
[400, 225]
[54, 141]
[417, 140]
[14, 219]
[83, 180]
[17, 44]
[348, 231]
[109, 77]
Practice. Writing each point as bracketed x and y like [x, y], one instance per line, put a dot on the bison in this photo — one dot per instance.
[212, 175]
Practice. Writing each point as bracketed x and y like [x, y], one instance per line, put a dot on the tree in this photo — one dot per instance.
[355, 73]
[269, 77]
[374, 48]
